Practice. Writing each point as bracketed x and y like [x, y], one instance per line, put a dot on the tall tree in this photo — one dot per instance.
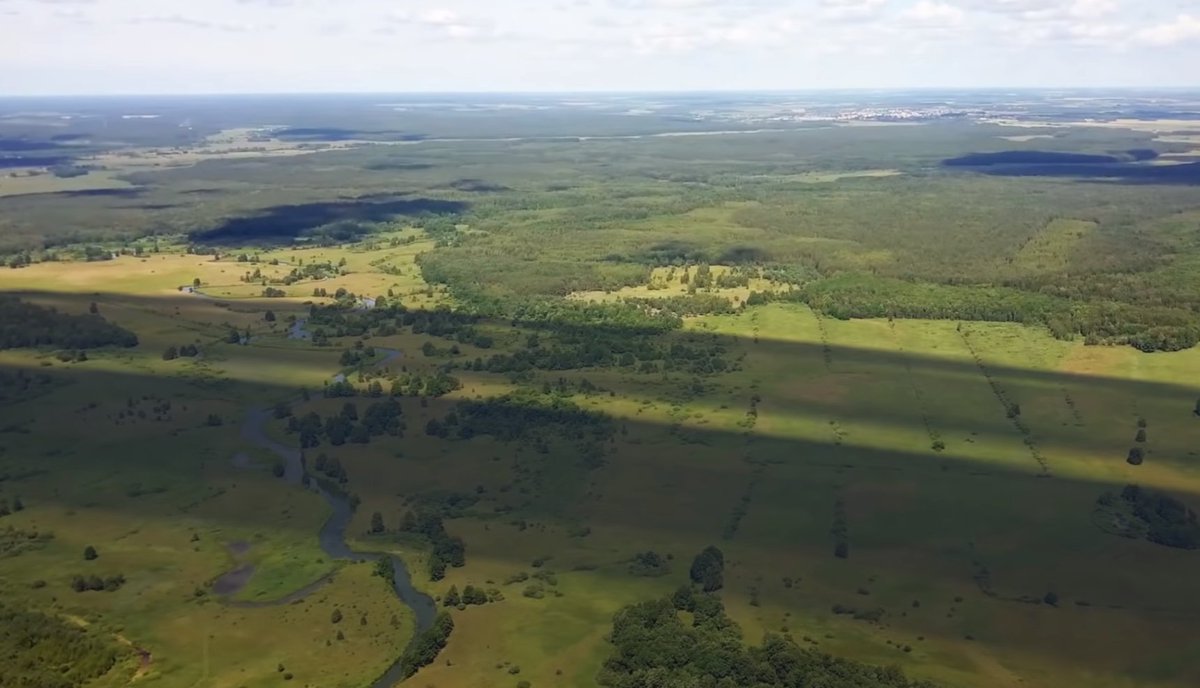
[708, 569]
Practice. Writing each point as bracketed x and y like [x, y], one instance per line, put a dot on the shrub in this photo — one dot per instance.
[1136, 456]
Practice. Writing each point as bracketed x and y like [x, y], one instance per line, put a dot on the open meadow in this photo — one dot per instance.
[940, 419]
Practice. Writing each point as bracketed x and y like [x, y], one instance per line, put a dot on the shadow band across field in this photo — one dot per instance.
[284, 224]
[810, 455]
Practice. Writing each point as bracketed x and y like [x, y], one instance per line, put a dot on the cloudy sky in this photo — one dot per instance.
[219, 46]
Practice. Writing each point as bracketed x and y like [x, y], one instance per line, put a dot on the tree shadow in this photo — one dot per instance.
[285, 224]
[1131, 167]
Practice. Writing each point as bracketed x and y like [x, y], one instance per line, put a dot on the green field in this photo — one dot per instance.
[900, 399]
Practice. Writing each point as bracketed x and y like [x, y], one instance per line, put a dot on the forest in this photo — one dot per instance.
[42, 651]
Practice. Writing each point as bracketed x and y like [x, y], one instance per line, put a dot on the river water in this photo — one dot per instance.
[332, 536]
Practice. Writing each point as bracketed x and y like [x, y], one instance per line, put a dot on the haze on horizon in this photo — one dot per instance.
[289, 46]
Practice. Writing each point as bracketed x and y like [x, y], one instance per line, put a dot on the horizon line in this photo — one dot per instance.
[644, 91]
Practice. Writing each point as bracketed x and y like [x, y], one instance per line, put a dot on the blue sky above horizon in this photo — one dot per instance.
[260, 46]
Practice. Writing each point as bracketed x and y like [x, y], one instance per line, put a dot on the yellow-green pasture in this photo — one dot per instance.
[957, 545]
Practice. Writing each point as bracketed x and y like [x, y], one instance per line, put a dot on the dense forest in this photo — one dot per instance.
[1149, 328]
[24, 324]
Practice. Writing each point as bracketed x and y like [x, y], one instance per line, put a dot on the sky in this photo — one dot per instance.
[294, 46]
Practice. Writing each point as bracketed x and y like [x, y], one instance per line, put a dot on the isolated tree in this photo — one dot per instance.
[452, 599]
[89, 553]
[336, 616]
[17, 504]
[93, 308]
[708, 569]
[376, 522]
[196, 283]
[233, 337]
[841, 550]
[1136, 456]
[1051, 598]
[269, 316]
[1141, 435]
[473, 595]
[170, 354]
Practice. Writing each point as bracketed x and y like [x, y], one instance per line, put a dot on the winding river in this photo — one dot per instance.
[332, 536]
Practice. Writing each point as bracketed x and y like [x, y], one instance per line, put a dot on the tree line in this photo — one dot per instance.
[24, 324]
[1145, 327]
[348, 425]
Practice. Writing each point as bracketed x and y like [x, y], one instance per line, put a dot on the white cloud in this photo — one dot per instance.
[1047, 10]
[1184, 28]
[678, 38]
[193, 23]
[934, 14]
[851, 10]
[450, 23]
[390, 45]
